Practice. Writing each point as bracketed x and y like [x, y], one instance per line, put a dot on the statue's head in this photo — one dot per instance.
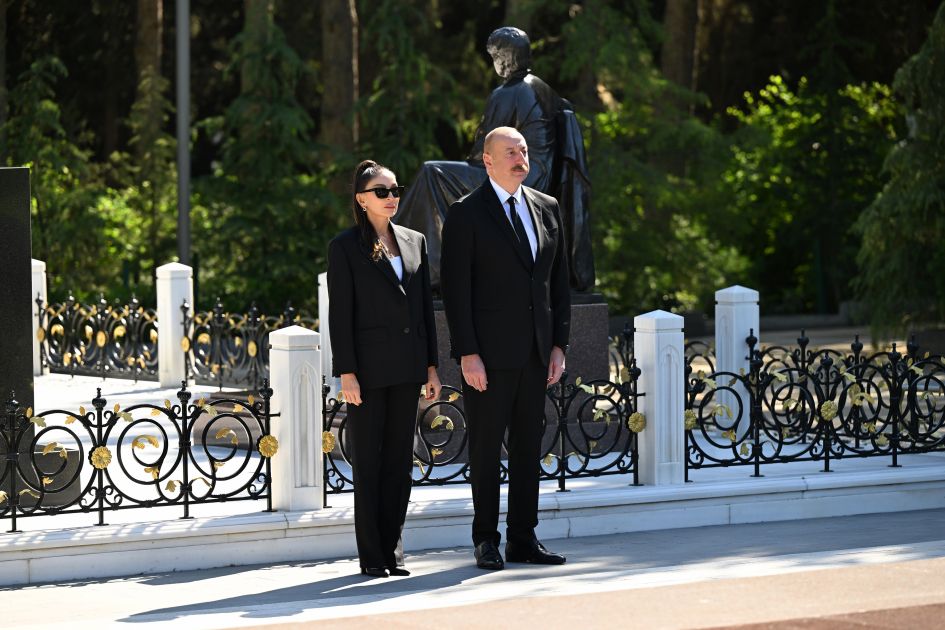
[510, 50]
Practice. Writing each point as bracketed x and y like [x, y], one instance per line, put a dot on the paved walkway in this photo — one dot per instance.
[877, 571]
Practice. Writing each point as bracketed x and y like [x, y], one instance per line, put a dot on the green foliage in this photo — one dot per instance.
[141, 208]
[904, 228]
[650, 163]
[411, 94]
[678, 210]
[65, 184]
[261, 223]
[803, 166]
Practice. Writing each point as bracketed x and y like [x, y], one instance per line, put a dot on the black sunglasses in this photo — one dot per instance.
[382, 192]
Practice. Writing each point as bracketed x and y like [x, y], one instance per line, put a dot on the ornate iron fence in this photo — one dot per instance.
[101, 339]
[815, 405]
[232, 349]
[590, 430]
[104, 459]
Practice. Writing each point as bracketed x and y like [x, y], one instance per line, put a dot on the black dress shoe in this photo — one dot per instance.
[374, 571]
[533, 552]
[398, 571]
[488, 556]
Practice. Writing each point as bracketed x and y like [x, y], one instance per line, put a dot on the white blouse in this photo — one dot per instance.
[398, 264]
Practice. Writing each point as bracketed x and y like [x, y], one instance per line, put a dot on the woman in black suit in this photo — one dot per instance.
[383, 341]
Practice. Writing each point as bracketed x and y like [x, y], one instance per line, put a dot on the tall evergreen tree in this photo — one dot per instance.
[903, 229]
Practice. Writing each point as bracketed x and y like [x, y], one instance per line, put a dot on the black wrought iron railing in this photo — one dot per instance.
[799, 404]
[232, 349]
[99, 459]
[590, 429]
[101, 339]
[121, 341]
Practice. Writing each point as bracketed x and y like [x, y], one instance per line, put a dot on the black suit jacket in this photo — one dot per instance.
[382, 329]
[494, 306]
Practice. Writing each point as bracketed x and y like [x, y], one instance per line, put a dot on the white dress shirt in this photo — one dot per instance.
[522, 211]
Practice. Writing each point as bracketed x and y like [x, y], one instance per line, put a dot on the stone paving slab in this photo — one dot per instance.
[768, 602]
[684, 578]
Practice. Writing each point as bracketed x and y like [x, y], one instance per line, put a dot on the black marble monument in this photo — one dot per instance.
[16, 338]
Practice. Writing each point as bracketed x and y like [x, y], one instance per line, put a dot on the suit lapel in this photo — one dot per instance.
[496, 210]
[384, 267]
[409, 253]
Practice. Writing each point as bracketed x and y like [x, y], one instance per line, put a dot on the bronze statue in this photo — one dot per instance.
[556, 158]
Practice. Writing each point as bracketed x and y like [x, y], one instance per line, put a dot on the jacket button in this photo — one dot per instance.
[406, 331]
[530, 307]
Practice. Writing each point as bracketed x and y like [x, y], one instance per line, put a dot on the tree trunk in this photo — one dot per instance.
[113, 29]
[339, 123]
[148, 52]
[256, 19]
[3, 61]
[679, 46]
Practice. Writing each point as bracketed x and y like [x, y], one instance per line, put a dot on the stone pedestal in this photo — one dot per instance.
[658, 348]
[38, 289]
[587, 357]
[334, 383]
[175, 284]
[736, 316]
[296, 380]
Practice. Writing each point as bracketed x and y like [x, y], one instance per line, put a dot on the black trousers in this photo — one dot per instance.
[513, 400]
[382, 431]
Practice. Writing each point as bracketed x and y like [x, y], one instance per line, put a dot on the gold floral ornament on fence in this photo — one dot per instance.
[828, 411]
[443, 421]
[328, 442]
[636, 422]
[101, 457]
[690, 419]
[268, 445]
[185, 344]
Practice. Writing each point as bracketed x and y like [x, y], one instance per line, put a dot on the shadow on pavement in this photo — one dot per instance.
[345, 590]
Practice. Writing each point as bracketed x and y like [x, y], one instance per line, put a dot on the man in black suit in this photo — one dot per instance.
[505, 289]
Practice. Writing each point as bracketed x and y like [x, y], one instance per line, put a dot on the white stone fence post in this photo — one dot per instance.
[39, 289]
[334, 384]
[736, 316]
[296, 379]
[175, 283]
[658, 350]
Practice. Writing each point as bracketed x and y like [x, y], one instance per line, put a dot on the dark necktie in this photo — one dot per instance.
[519, 228]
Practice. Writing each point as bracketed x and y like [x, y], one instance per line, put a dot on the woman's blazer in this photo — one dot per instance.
[381, 328]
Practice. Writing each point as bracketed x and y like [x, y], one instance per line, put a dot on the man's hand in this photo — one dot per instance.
[474, 372]
[555, 366]
[351, 389]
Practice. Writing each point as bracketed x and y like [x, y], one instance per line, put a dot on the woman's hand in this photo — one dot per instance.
[433, 387]
[351, 389]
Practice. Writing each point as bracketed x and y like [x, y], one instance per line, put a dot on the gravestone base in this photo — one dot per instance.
[587, 357]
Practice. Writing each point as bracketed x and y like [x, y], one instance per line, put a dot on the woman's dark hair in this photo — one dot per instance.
[365, 172]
